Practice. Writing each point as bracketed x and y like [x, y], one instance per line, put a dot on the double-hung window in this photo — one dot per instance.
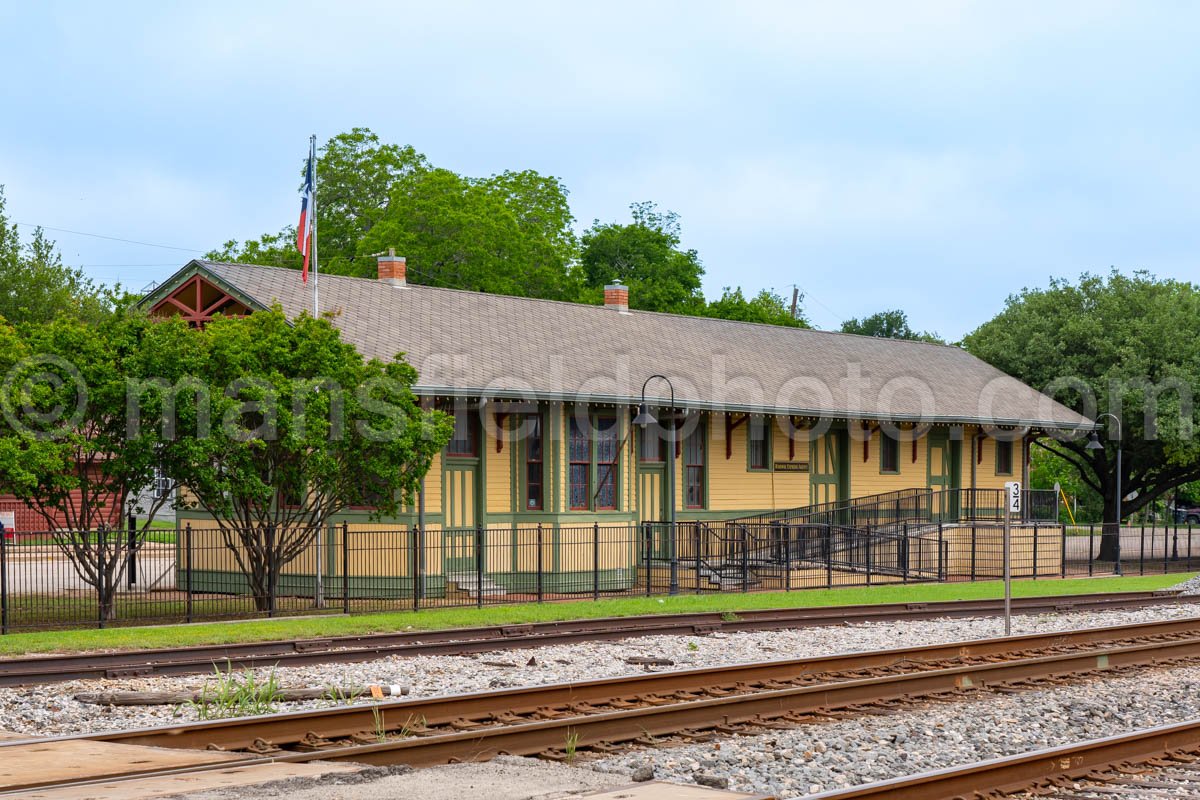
[593, 449]
[889, 453]
[1004, 457]
[534, 500]
[758, 444]
[465, 441]
[694, 467]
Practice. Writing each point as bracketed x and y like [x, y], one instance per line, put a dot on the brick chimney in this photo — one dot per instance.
[393, 269]
[616, 296]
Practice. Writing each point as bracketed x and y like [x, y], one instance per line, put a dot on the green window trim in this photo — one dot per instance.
[522, 462]
[594, 465]
[765, 427]
[888, 443]
[701, 431]
[1004, 446]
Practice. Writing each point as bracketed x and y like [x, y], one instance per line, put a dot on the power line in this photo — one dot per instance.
[166, 264]
[109, 238]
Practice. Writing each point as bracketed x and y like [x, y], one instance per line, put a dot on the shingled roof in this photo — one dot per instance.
[471, 343]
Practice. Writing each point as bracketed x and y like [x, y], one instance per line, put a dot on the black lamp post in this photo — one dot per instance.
[643, 419]
[1094, 444]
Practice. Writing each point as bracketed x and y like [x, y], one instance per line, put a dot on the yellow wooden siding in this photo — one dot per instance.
[433, 486]
[498, 468]
[985, 474]
[866, 478]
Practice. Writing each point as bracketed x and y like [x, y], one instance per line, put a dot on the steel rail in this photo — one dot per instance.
[768, 708]
[41, 669]
[668, 687]
[1033, 770]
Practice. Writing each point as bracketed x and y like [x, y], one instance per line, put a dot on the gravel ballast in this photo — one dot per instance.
[51, 710]
[834, 755]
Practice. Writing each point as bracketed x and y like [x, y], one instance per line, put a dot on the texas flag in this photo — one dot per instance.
[304, 229]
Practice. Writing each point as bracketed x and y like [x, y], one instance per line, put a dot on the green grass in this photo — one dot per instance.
[309, 627]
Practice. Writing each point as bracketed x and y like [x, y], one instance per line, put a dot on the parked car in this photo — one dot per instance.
[1187, 513]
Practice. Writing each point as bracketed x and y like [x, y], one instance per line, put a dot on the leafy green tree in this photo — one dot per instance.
[766, 307]
[1129, 342]
[64, 448]
[35, 286]
[647, 256]
[508, 234]
[1047, 468]
[891, 324]
[276, 426]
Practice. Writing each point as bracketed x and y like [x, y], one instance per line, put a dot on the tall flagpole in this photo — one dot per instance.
[312, 154]
[319, 599]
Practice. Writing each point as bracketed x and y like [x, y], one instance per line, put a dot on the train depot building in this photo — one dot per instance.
[545, 395]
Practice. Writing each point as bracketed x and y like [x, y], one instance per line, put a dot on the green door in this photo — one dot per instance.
[944, 467]
[652, 490]
[461, 498]
[828, 475]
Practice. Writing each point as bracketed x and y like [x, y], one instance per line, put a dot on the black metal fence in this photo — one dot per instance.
[61, 580]
[916, 505]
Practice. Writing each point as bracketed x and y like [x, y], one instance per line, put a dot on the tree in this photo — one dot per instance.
[1047, 468]
[646, 255]
[766, 307]
[277, 426]
[35, 286]
[508, 234]
[891, 324]
[1125, 345]
[64, 448]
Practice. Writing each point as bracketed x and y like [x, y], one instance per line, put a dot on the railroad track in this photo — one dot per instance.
[560, 720]
[32, 670]
[1161, 762]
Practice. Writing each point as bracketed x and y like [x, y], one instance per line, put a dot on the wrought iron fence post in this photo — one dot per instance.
[541, 587]
[785, 531]
[865, 538]
[699, 545]
[648, 548]
[745, 559]
[1175, 542]
[187, 546]
[131, 554]
[828, 556]
[1062, 544]
[673, 555]
[270, 570]
[941, 553]
[1035, 550]
[974, 548]
[1141, 548]
[479, 555]
[4, 582]
[101, 581]
[904, 551]
[1091, 546]
[346, 567]
[595, 560]
[415, 565]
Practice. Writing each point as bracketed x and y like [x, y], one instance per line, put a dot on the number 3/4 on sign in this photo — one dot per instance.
[1012, 490]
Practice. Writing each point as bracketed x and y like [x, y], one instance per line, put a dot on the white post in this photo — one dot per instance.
[1012, 505]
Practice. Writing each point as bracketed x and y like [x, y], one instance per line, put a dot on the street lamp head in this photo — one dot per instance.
[644, 417]
[1093, 442]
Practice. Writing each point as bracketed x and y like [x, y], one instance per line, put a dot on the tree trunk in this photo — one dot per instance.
[1111, 529]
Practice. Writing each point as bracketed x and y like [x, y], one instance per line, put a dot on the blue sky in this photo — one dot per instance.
[930, 156]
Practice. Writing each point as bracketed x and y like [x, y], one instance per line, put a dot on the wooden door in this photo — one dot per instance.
[827, 468]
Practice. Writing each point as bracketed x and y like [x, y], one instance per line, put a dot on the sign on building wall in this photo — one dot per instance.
[791, 466]
[9, 518]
